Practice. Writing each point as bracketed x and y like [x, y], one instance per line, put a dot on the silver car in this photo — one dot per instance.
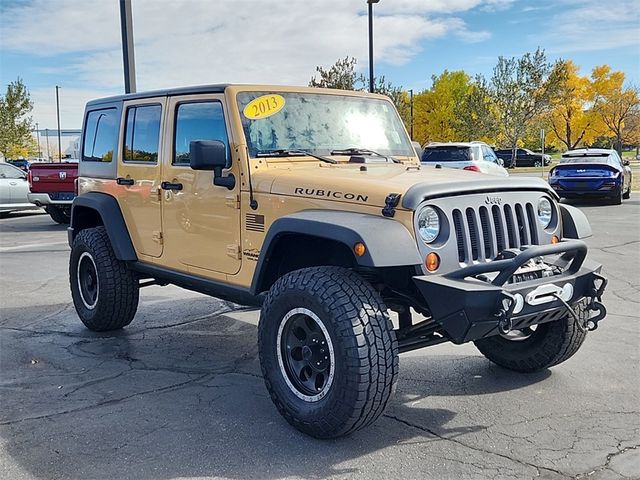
[473, 156]
[14, 188]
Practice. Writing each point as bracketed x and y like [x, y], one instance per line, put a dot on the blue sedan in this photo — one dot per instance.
[593, 173]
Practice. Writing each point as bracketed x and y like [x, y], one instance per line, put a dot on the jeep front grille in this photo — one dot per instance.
[483, 232]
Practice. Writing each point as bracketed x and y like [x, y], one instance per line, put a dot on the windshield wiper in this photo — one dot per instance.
[284, 152]
[362, 151]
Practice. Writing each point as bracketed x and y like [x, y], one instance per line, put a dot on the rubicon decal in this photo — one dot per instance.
[312, 192]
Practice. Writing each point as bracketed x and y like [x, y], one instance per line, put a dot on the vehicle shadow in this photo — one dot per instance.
[182, 396]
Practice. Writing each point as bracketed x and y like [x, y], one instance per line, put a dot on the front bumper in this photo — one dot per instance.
[469, 308]
[56, 198]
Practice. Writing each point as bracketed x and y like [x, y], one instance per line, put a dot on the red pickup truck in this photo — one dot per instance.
[52, 186]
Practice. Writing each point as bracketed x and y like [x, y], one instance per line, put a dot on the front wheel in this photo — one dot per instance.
[627, 194]
[105, 291]
[530, 350]
[537, 163]
[328, 352]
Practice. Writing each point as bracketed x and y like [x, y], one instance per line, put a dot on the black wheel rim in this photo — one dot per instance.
[88, 280]
[305, 354]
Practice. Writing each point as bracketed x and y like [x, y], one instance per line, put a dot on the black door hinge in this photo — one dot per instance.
[390, 204]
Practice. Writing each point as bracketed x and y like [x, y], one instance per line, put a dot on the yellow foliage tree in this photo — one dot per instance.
[435, 109]
[617, 106]
[571, 121]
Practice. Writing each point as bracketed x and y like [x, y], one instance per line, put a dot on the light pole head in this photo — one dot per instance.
[373, 1]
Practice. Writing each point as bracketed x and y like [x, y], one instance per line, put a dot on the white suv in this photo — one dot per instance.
[474, 156]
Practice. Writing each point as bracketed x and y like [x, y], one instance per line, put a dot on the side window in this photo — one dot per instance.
[142, 134]
[100, 135]
[7, 171]
[617, 159]
[197, 121]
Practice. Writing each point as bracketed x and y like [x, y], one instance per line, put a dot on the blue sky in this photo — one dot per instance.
[76, 43]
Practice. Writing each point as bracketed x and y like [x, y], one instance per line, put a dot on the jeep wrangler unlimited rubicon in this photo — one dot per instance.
[312, 204]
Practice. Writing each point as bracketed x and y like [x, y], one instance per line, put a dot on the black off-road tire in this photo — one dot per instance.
[59, 215]
[550, 344]
[117, 287]
[365, 350]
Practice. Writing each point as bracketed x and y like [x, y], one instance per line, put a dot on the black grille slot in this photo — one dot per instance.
[486, 232]
[533, 229]
[500, 234]
[511, 228]
[457, 223]
[522, 226]
[473, 233]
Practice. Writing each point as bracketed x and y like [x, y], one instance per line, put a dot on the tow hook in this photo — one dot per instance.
[595, 303]
[595, 306]
[505, 324]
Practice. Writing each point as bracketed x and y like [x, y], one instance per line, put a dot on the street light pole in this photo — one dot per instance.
[38, 137]
[129, 61]
[58, 115]
[370, 4]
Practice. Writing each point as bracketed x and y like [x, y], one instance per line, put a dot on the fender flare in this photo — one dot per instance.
[109, 211]
[388, 242]
[574, 223]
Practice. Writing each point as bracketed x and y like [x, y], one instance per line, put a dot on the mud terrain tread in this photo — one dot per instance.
[370, 351]
[118, 291]
[555, 342]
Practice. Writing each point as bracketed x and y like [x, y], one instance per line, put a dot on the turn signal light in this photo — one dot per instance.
[359, 249]
[432, 262]
[554, 239]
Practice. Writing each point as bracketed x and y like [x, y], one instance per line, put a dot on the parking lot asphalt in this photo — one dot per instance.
[178, 393]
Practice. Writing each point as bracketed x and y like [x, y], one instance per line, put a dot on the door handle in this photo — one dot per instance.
[13, 183]
[125, 181]
[170, 186]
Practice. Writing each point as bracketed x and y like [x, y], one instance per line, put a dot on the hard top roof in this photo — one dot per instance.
[216, 88]
[454, 144]
[221, 87]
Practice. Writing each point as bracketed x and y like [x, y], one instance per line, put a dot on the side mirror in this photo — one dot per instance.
[625, 163]
[211, 155]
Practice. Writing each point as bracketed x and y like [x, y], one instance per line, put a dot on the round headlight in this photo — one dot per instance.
[545, 212]
[429, 224]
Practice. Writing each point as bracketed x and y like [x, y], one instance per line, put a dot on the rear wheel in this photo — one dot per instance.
[60, 215]
[537, 163]
[105, 292]
[536, 348]
[328, 352]
[617, 198]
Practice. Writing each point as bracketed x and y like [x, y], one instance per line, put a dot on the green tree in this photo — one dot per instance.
[522, 90]
[341, 75]
[474, 115]
[15, 123]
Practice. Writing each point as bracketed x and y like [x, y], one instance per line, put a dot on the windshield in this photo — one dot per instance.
[320, 123]
[446, 154]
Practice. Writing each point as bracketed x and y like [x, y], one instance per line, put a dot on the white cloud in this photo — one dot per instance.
[186, 42]
[592, 25]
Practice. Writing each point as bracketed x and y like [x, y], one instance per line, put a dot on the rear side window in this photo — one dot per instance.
[197, 121]
[446, 154]
[100, 135]
[7, 171]
[142, 134]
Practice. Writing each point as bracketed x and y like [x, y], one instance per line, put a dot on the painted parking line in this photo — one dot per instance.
[32, 245]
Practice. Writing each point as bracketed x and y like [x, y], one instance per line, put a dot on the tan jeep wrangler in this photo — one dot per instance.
[313, 205]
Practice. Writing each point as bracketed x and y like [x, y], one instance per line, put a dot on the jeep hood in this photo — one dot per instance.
[347, 183]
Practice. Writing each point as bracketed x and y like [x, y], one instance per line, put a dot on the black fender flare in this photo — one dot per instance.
[388, 242]
[574, 223]
[109, 211]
